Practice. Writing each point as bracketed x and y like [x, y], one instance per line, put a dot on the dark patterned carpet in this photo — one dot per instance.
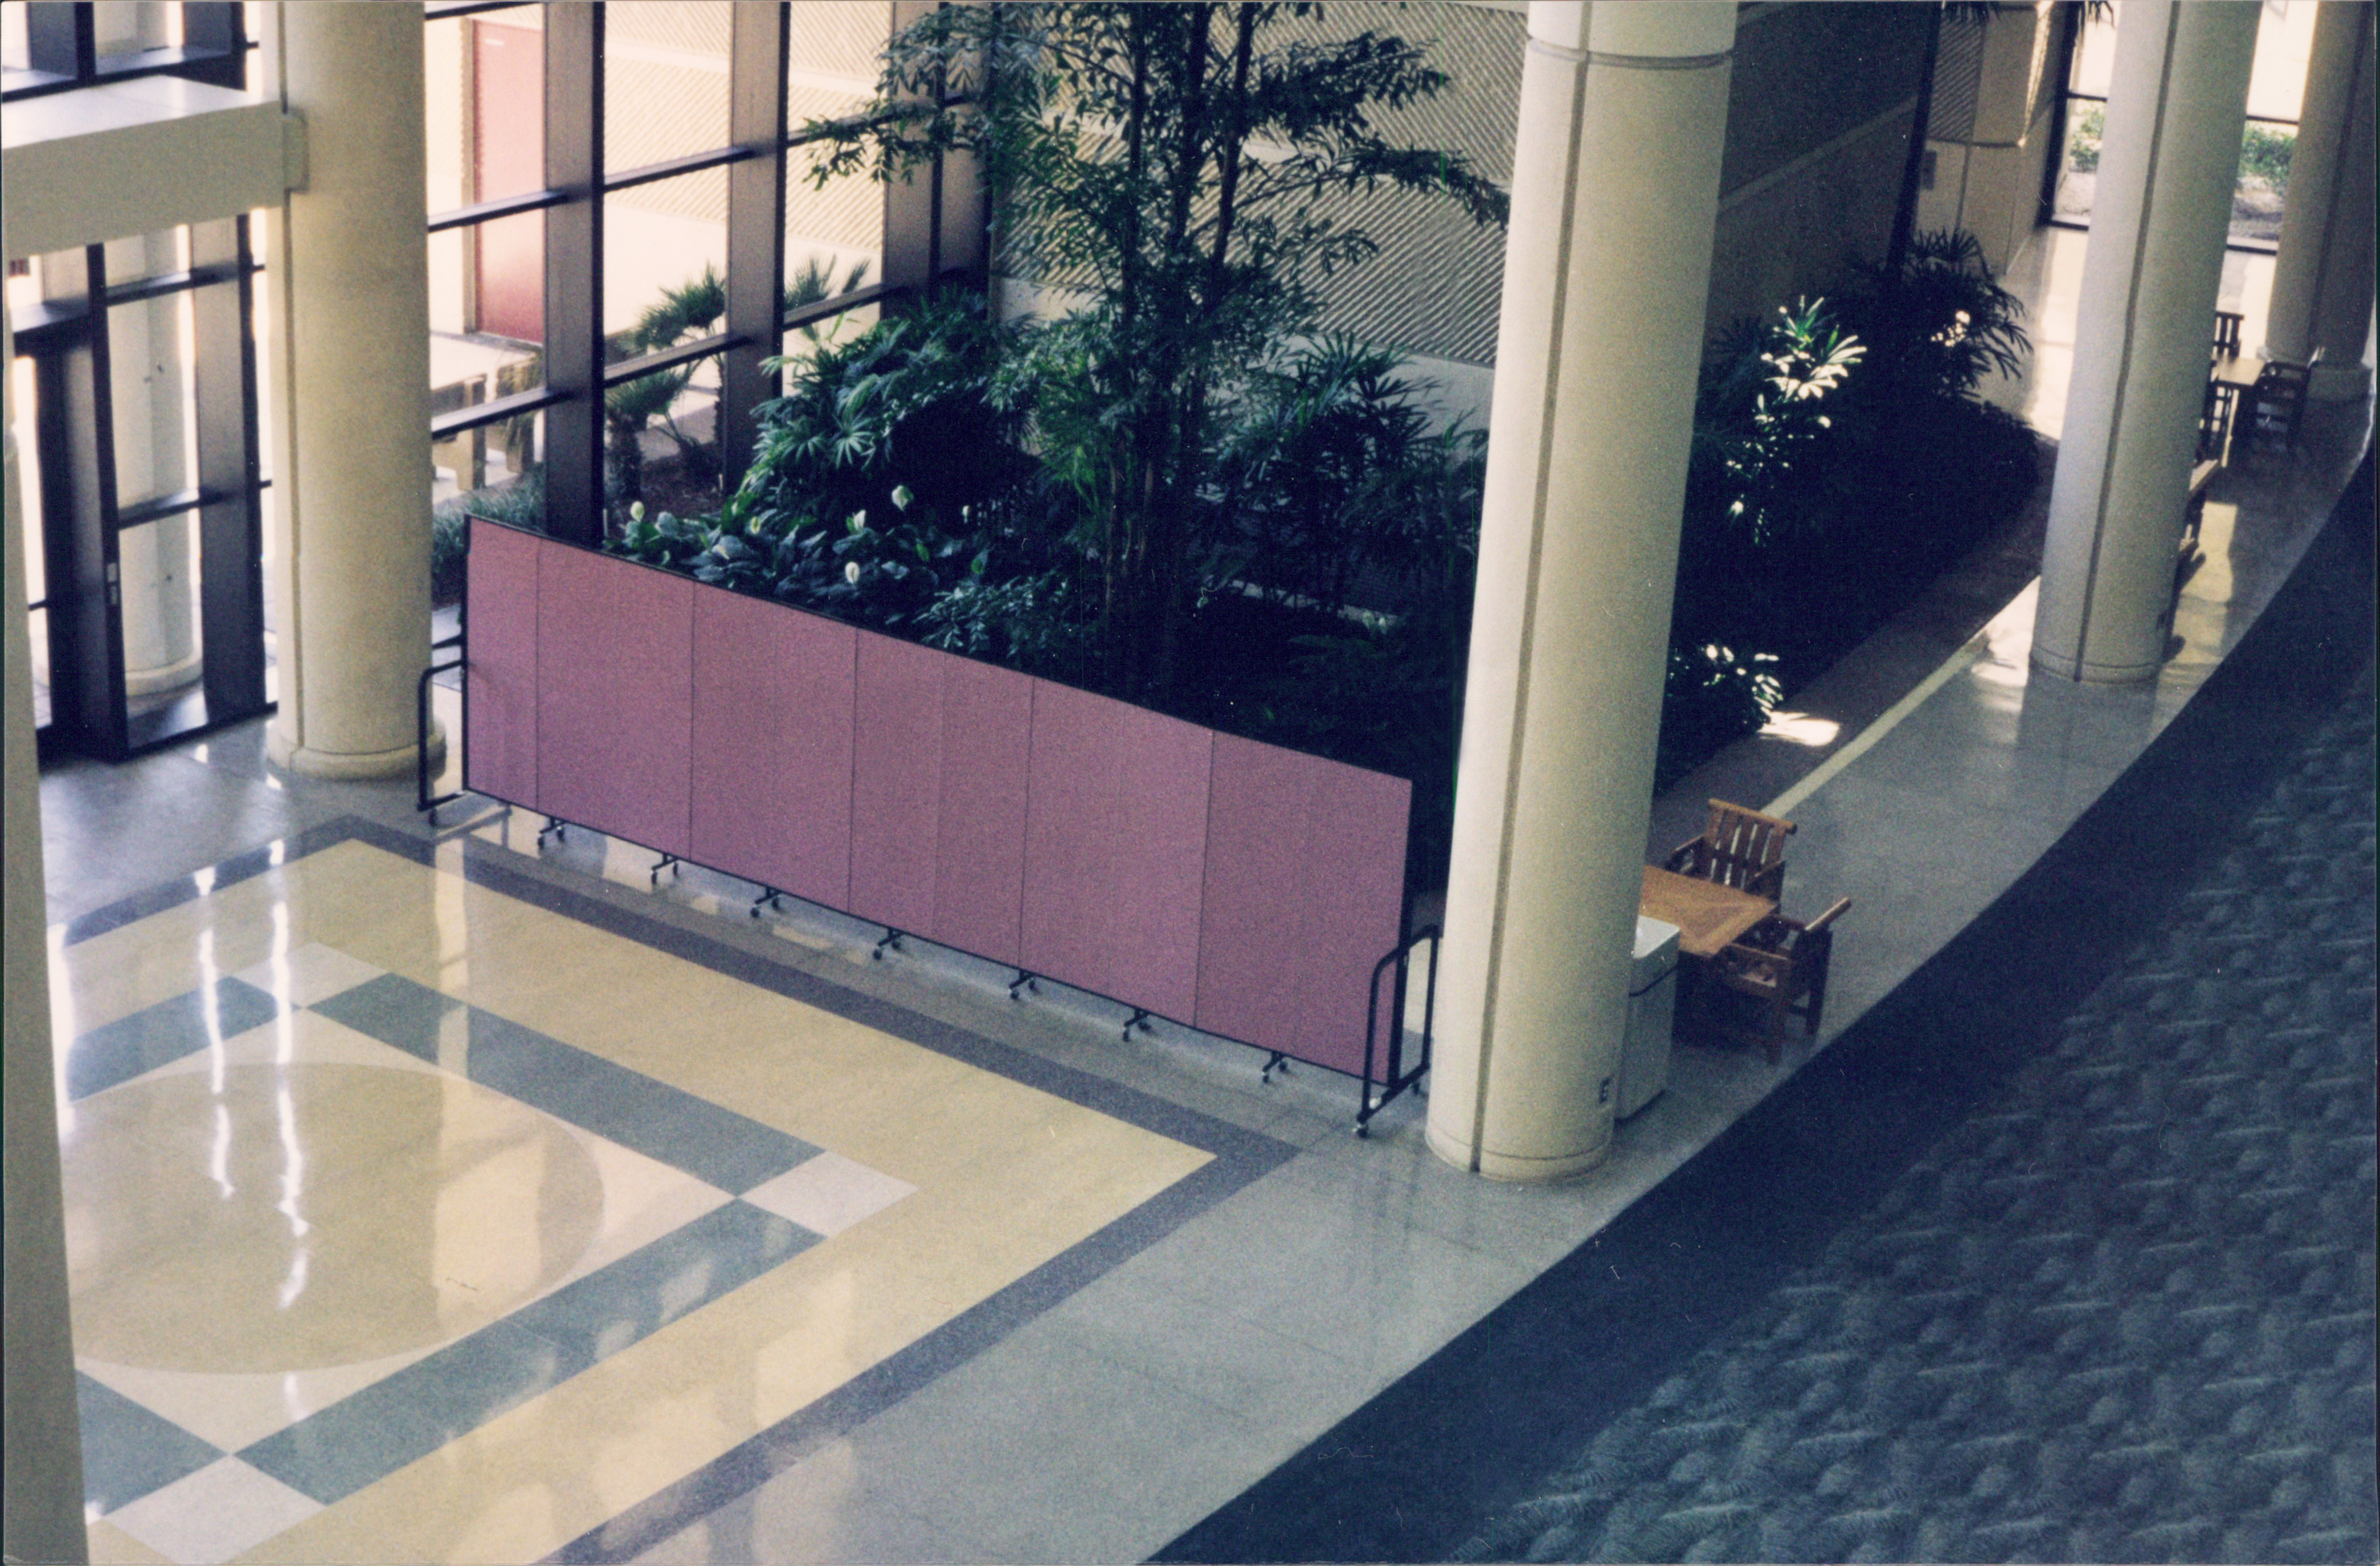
[2063, 1251]
[2122, 1312]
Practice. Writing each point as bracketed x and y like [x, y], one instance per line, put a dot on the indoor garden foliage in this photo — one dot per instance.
[1182, 490]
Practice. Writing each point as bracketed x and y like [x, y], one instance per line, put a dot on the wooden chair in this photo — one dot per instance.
[2227, 334]
[1739, 847]
[2193, 507]
[2215, 420]
[2278, 406]
[1777, 970]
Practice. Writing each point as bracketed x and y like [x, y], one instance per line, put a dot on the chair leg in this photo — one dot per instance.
[1772, 1026]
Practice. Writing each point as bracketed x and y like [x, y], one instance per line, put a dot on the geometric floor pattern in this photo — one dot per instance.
[2123, 1312]
[215, 1503]
[414, 1212]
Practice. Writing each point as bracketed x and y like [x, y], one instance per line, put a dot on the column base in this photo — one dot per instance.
[169, 676]
[2344, 382]
[339, 766]
[2095, 673]
[1517, 1169]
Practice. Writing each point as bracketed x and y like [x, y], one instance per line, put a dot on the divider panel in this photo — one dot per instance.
[1071, 835]
[1305, 894]
[500, 674]
[896, 781]
[1157, 877]
[771, 772]
[1258, 822]
[980, 829]
[616, 705]
[1352, 904]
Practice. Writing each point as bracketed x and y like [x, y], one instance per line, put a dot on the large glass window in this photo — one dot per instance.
[665, 78]
[2284, 39]
[524, 290]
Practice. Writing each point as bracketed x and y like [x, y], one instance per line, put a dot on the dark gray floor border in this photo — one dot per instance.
[1239, 1157]
[1413, 1474]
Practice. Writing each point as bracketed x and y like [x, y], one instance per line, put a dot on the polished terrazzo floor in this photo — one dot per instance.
[418, 1212]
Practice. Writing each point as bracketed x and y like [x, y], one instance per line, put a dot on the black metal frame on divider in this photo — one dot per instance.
[1394, 1082]
[421, 800]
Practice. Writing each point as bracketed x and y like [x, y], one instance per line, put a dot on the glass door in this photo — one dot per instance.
[135, 398]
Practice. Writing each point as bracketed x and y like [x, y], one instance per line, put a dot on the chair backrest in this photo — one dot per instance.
[2226, 331]
[1743, 848]
[2282, 373]
[2281, 395]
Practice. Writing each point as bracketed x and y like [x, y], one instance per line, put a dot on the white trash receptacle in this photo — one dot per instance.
[1652, 1003]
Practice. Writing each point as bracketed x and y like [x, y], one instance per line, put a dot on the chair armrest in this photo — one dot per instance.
[1686, 858]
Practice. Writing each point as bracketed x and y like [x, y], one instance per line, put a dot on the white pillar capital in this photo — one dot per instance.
[1561, 23]
[1660, 32]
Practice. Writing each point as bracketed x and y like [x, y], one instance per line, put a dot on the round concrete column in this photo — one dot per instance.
[43, 1456]
[1615, 193]
[2321, 276]
[146, 356]
[351, 369]
[2149, 285]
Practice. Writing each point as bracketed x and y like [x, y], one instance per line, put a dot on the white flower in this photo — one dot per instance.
[902, 497]
[851, 572]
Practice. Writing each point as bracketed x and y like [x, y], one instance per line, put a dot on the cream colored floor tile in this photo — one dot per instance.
[313, 1215]
[111, 1545]
[214, 1514]
[828, 1193]
[307, 974]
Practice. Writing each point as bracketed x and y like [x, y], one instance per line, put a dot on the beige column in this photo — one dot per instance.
[349, 353]
[42, 1458]
[1615, 192]
[2147, 310]
[2322, 276]
[146, 356]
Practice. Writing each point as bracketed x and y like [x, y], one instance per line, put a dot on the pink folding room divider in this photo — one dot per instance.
[614, 696]
[1241, 888]
[500, 716]
[771, 755]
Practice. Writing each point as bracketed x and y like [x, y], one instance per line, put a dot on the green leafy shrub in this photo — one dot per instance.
[907, 402]
[2082, 142]
[1761, 413]
[1940, 328]
[1043, 624]
[2265, 154]
[520, 503]
[1713, 694]
[884, 574]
